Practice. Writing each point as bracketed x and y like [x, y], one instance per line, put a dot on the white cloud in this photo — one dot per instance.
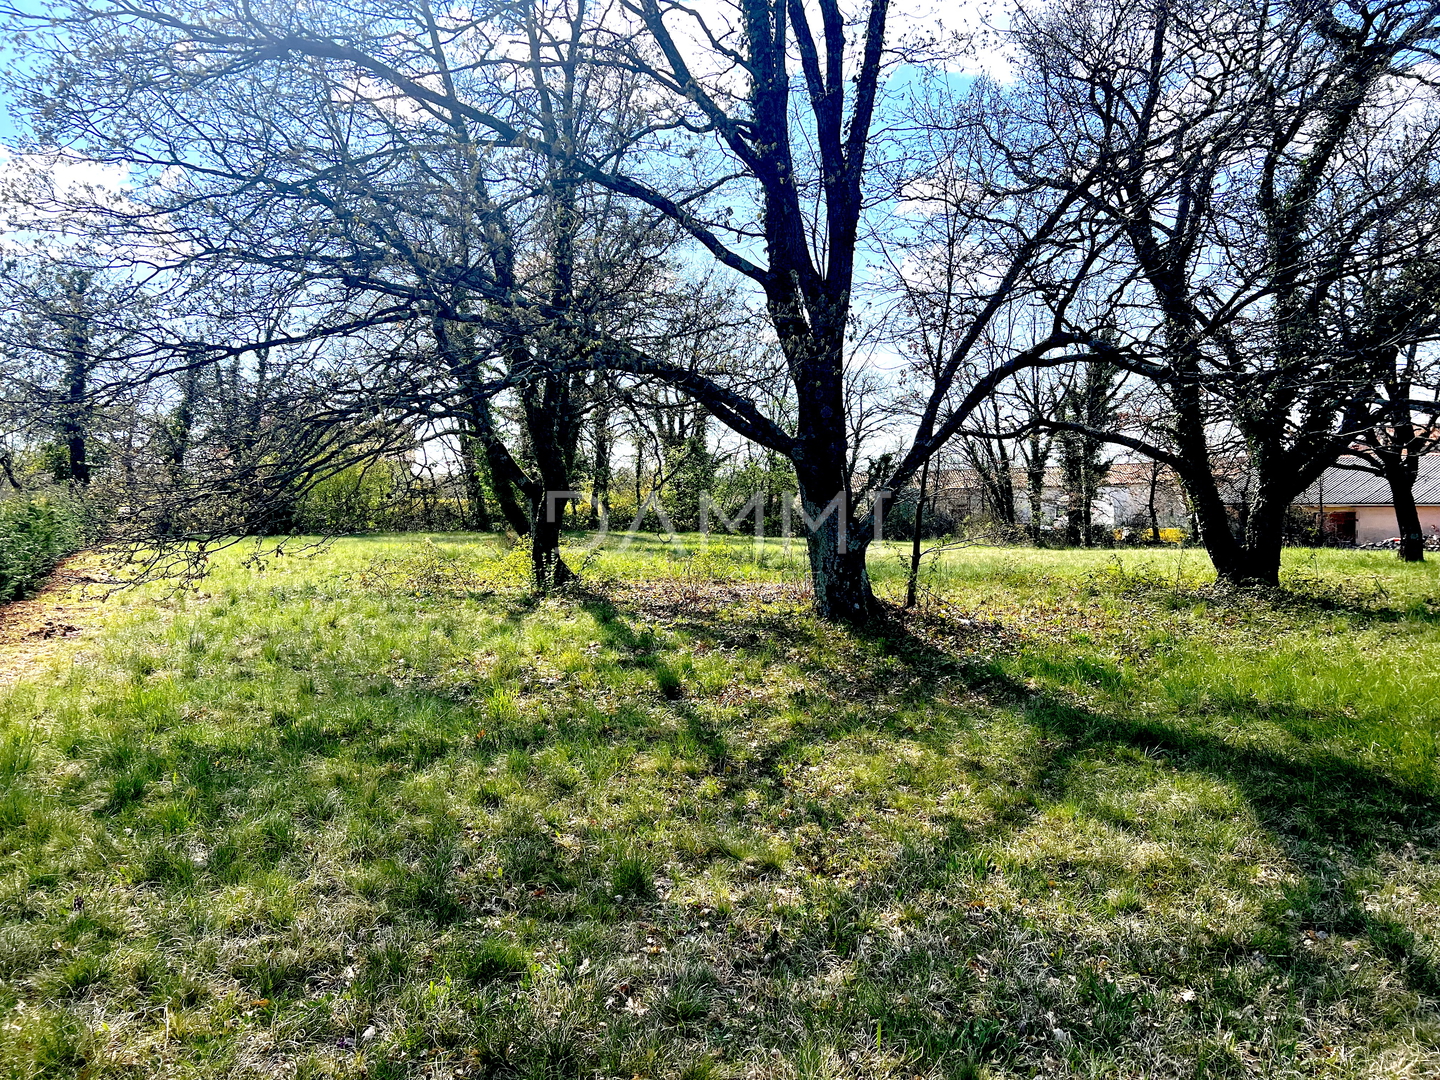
[61, 200]
[59, 176]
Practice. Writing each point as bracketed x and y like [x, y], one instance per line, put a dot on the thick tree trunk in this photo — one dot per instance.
[1226, 553]
[77, 462]
[1072, 465]
[1257, 560]
[1258, 564]
[1407, 516]
[547, 512]
[1212, 522]
[838, 575]
[545, 562]
[840, 578]
[79, 465]
[1252, 567]
[553, 431]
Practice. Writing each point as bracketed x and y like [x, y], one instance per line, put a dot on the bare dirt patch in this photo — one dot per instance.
[34, 631]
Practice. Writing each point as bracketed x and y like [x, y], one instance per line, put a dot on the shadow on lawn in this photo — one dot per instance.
[1331, 817]
[1334, 820]
[1310, 805]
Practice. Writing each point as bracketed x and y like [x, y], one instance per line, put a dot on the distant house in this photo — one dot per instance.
[1124, 497]
[1357, 507]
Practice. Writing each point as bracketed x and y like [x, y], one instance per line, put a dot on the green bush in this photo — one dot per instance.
[378, 496]
[36, 532]
[354, 500]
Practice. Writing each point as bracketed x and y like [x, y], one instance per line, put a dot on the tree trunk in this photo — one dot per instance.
[1407, 516]
[1035, 487]
[912, 583]
[549, 496]
[838, 574]
[75, 415]
[1005, 484]
[554, 431]
[73, 425]
[1253, 566]
[545, 562]
[1212, 523]
[1257, 560]
[505, 494]
[506, 477]
[1259, 564]
[840, 578]
[477, 514]
[1398, 446]
[600, 486]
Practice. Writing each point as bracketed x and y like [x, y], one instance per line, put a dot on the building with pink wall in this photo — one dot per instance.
[1358, 507]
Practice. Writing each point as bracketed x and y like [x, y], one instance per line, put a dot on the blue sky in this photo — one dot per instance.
[8, 127]
[7, 124]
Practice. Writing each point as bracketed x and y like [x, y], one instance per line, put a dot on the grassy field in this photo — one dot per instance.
[376, 812]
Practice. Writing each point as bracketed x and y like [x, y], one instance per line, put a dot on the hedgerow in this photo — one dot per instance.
[36, 532]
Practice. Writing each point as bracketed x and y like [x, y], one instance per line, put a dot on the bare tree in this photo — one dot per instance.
[68, 329]
[1408, 429]
[1247, 161]
[764, 171]
[500, 268]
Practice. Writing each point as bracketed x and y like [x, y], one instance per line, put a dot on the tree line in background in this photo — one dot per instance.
[503, 257]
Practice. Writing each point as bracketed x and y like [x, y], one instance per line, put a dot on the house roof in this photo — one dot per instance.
[1340, 486]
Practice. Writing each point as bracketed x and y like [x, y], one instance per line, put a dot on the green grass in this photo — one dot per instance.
[379, 813]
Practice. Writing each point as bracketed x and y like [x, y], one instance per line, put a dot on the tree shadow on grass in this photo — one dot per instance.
[1329, 815]
[1320, 808]
[1332, 818]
